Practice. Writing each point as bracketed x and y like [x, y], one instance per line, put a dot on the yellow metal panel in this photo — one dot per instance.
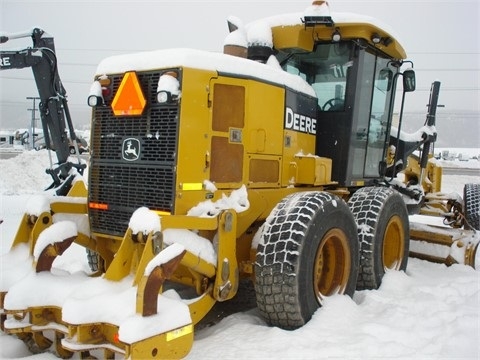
[194, 137]
[69, 207]
[163, 346]
[78, 190]
[295, 143]
[228, 107]
[293, 37]
[265, 109]
[299, 37]
[313, 170]
[264, 171]
[227, 161]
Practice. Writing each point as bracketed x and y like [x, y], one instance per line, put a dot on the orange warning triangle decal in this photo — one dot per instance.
[129, 99]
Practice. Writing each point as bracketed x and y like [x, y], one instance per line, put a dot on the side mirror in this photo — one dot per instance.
[384, 81]
[409, 80]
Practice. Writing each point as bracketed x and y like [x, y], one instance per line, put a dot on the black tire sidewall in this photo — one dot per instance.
[373, 208]
[471, 199]
[335, 215]
[393, 206]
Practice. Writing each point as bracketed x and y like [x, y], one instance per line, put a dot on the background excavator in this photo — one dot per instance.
[277, 162]
[54, 112]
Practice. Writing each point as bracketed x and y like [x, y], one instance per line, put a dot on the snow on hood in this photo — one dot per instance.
[205, 60]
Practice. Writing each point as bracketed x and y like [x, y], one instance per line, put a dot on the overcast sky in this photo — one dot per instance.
[441, 37]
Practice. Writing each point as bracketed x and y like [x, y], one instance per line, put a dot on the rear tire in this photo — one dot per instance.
[471, 199]
[308, 251]
[383, 233]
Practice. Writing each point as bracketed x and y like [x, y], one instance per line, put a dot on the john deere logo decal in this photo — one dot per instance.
[131, 149]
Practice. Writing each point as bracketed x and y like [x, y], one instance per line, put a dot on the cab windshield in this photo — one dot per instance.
[353, 85]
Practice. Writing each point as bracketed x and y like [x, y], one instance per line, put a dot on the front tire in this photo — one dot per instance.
[383, 233]
[308, 251]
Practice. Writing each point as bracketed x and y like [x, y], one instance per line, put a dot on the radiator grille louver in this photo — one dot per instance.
[127, 185]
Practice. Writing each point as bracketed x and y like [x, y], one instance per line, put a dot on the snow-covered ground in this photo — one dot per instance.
[428, 312]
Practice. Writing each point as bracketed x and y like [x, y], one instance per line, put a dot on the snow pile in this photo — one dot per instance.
[44, 288]
[144, 221]
[260, 34]
[318, 8]
[238, 201]
[37, 205]
[417, 136]
[95, 89]
[15, 265]
[192, 242]
[114, 302]
[53, 234]
[164, 257]
[26, 172]
[431, 311]
[172, 314]
[168, 82]
[237, 37]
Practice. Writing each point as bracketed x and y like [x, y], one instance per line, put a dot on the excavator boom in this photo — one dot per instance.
[54, 111]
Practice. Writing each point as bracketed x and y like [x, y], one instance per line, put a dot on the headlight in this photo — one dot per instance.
[94, 100]
[164, 97]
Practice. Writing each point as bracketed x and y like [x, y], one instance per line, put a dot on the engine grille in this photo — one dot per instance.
[126, 185]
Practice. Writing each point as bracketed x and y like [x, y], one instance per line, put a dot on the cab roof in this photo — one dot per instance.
[290, 31]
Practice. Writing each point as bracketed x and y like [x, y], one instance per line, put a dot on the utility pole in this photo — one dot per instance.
[33, 123]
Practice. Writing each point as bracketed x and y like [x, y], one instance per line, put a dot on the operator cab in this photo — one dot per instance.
[353, 84]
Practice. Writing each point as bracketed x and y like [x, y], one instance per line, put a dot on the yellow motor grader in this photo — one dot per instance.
[275, 162]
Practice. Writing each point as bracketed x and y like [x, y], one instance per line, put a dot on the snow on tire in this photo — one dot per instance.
[471, 199]
[308, 250]
[383, 233]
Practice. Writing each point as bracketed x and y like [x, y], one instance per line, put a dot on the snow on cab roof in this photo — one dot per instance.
[364, 24]
[339, 18]
[204, 60]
